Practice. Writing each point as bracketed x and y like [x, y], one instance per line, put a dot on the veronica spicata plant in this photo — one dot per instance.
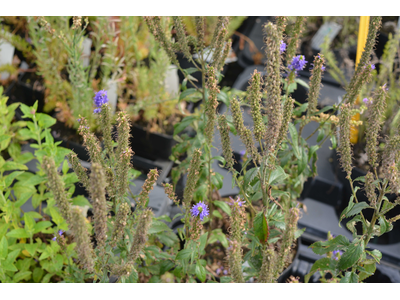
[356, 263]
[120, 236]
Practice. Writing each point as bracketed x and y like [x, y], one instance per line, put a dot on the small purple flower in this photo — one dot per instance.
[218, 271]
[322, 68]
[225, 272]
[372, 66]
[100, 99]
[60, 232]
[79, 119]
[335, 254]
[282, 47]
[54, 238]
[240, 203]
[298, 63]
[365, 100]
[200, 209]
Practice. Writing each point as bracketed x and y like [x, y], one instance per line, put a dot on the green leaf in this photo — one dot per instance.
[47, 277]
[376, 254]
[226, 279]
[250, 175]
[203, 241]
[299, 232]
[357, 208]
[158, 226]
[369, 270]
[35, 180]
[350, 277]
[321, 134]
[19, 233]
[295, 138]
[217, 180]
[183, 254]
[384, 225]
[218, 235]
[8, 266]
[183, 124]
[217, 214]
[81, 201]
[45, 121]
[351, 256]
[187, 93]
[31, 248]
[3, 248]
[22, 275]
[224, 206]
[200, 271]
[261, 227]
[323, 264]
[166, 265]
[10, 178]
[323, 247]
[29, 223]
[40, 226]
[37, 274]
[277, 176]
[12, 165]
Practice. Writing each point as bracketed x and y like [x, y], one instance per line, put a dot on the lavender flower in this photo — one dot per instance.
[100, 99]
[335, 254]
[282, 47]
[240, 203]
[367, 101]
[225, 272]
[60, 232]
[298, 63]
[372, 66]
[200, 209]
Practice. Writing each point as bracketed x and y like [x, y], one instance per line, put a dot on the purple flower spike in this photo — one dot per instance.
[298, 63]
[200, 209]
[240, 203]
[282, 47]
[100, 99]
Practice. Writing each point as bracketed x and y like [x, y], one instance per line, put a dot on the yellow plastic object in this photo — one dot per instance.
[362, 39]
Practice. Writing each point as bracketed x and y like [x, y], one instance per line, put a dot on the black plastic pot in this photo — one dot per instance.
[151, 145]
[389, 237]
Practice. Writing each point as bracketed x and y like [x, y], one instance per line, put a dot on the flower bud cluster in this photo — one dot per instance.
[273, 105]
[120, 223]
[80, 171]
[181, 36]
[344, 147]
[225, 141]
[295, 38]
[287, 116]
[147, 187]
[268, 266]
[169, 190]
[390, 160]
[56, 185]
[97, 193]
[374, 124]
[211, 105]
[195, 228]
[84, 247]
[90, 141]
[254, 94]
[106, 127]
[315, 84]
[235, 254]
[370, 189]
[192, 178]
[140, 235]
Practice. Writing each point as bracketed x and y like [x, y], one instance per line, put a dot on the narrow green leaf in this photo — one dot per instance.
[200, 271]
[357, 208]
[3, 248]
[19, 233]
[261, 227]
[224, 206]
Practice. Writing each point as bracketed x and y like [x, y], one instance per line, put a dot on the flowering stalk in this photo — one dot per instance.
[268, 266]
[91, 142]
[344, 147]
[84, 247]
[147, 187]
[193, 177]
[97, 193]
[80, 171]
[56, 185]
[123, 156]
[273, 104]
[106, 126]
[390, 160]
[295, 38]
[235, 256]
[120, 223]
[225, 141]
[140, 235]
[254, 94]
[374, 123]
[211, 105]
[286, 118]
[315, 84]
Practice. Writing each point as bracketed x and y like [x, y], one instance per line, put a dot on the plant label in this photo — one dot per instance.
[86, 45]
[6, 56]
[112, 94]
[171, 81]
[328, 30]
